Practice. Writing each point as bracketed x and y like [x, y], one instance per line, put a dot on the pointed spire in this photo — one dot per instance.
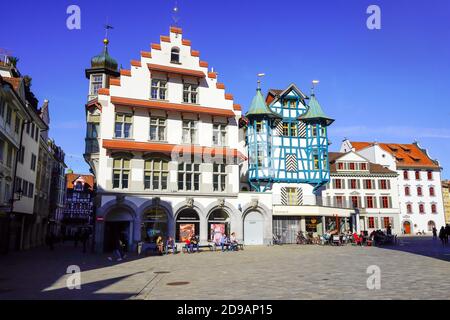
[259, 109]
[315, 113]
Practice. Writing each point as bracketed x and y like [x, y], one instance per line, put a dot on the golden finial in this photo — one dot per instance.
[106, 41]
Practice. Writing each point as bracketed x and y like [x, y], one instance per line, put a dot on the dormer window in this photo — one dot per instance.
[175, 55]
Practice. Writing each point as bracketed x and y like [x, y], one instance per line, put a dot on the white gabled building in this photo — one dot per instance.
[418, 183]
[371, 188]
[163, 142]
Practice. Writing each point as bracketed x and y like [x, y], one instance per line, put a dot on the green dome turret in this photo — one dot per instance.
[104, 60]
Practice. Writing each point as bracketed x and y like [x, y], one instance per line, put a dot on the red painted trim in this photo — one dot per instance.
[220, 85]
[179, 107]
[164, 38]
[203, 64]
[126, 73]
[114, 82]
[228, 96]
[156, 46]
[237, 107]
[103, 91]
[186, 42]
[136, 63]
[174, 70]
[146, 54]
[176, 30]
[212, 75]
[195, 53]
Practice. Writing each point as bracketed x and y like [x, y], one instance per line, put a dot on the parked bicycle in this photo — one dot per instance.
[276, 239]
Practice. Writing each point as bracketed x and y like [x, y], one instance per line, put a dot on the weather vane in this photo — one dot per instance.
[107, 28]
[259, 76]
[175, 16]
[314, 84]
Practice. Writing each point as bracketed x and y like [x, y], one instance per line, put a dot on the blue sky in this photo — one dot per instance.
[388, 85]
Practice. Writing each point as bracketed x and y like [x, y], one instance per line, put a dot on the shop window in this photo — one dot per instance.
[154, 224]
[188, 223]
[218, 224]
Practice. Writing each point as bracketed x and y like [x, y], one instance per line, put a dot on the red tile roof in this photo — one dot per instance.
[373, 167]
[15, 82]
[407, 155]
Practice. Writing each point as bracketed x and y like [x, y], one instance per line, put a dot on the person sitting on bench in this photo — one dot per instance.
[159, 245]
[224, 242]
[233, 242]
[194, 243]
[170, 244]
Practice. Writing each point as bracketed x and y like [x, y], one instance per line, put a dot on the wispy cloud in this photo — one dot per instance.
[391, 132]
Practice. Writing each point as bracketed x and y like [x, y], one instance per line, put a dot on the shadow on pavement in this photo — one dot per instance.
[26, 274]
[424, 246]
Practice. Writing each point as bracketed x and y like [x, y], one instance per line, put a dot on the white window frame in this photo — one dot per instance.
[219, 134]
[190, 93]
[123, 122]
[190, 131]
[160, 88]
[160, 124]
[219, 177]
[95, 82]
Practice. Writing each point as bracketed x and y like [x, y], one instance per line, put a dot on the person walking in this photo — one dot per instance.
[117, 250]
[442, 235]
[434, 233]
[447, 233]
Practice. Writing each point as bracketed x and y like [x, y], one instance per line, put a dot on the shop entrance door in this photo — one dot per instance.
[254, 229]
[115, 230]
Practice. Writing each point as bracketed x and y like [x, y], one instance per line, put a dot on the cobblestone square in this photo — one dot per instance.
[417, 268]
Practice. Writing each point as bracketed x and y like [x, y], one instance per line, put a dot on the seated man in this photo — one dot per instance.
[170, 244]
[233, 242]
[188, 245]
[224, 242]
[194, 242]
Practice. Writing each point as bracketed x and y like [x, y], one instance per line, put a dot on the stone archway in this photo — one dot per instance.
[254, 228]
[118, 225]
